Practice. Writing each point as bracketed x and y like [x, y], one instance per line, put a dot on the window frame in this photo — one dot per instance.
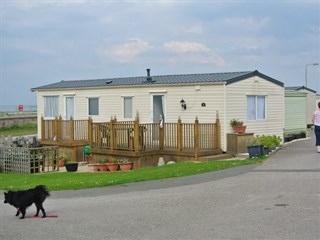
[53, 113]
[98, 107]
[256, 109]
[124, 107]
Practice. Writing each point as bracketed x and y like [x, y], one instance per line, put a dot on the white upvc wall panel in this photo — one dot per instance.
[111, 102]
[236, 105]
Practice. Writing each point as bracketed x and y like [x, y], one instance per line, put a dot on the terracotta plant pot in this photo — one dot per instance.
[61, 163]
[93, 167]
[113, 167]
[239, 129]
[89, 159]
[126, 166]
[103, 167]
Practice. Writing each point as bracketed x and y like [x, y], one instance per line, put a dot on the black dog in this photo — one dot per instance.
[24, 199]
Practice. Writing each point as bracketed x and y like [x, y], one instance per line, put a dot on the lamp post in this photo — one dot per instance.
[306, 71]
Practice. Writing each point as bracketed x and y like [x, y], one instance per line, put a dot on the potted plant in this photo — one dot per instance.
[62, 160]
[237, 126]
[270, 142]
[255, 148]
[93, 167]
[102, 166]
[125, 165]
[71, 166]
[288, 137]
[113, 166]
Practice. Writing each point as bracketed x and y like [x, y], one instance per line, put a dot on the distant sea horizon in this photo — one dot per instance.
[15, 108]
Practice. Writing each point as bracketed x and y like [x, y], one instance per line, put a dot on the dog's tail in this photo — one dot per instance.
[43, 189]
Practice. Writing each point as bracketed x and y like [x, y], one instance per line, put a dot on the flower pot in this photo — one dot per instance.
[71, 167]
[93, 167]
[61, 163]
[239, 129]
[113, 167]
[288, 139]
[125, 166]
[255, 151]
[267, 151]
[89, 159]
[103, 167]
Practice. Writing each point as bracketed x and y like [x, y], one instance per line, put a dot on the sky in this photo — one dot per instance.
[46, 41]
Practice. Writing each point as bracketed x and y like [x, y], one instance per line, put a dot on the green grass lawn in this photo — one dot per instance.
[79, 180]
[19, 130]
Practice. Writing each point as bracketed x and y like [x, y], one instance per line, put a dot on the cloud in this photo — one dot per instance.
[27, 5]
[128, 51]
[185, 47]
[247, 23]
[193, 52]
[195, 29]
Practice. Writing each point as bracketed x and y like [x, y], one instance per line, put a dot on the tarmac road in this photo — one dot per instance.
[279, 199]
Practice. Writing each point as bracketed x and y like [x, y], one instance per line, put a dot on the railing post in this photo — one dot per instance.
[43, 128]
[56, 129]
[59, 130]
[71, 130]
[90, 131]
[179, 135]
[196, 138]
[161, 133]
[136, 139]
[218, 132]
[112, 134]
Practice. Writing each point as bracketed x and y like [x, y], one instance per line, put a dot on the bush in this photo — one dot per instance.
[270, 141]
[235, 122]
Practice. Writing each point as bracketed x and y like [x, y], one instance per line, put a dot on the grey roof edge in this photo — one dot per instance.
[256, 73]
[297, 88]
[241, 76]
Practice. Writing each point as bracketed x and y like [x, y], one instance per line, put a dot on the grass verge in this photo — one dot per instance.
[80, 180]
[19, 129]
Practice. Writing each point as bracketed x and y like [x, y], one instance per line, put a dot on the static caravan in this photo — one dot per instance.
[311, 101]
[254, 98]
[295, 112]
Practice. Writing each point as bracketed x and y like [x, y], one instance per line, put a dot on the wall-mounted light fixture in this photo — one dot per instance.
[183, 104]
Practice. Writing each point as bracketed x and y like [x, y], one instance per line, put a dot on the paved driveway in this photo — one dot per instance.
[280, 199]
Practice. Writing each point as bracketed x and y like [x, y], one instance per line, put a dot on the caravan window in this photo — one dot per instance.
[256, 107]
[51, 106]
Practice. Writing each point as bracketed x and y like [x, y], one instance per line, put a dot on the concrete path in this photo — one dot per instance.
[279, 199]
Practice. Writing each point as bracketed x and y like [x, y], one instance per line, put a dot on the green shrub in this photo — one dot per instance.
[235, 122]
[270, 141]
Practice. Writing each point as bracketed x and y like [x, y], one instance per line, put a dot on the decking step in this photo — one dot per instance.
[216, 157]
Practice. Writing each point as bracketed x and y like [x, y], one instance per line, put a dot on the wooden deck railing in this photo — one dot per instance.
[133, 135]
[65, 130]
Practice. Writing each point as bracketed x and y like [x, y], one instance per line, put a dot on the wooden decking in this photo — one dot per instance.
[143, 143]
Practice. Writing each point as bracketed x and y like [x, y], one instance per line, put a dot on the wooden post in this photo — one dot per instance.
[112, 134]
[56, 129]
[136, 139]
[71, 130]
[43, 128]
[90, 131]
[161, 133]
[59, 130]
[218, 132]
[179, 135]
[196, 138]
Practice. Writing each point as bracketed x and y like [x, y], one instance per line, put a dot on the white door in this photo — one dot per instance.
[158, 108]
